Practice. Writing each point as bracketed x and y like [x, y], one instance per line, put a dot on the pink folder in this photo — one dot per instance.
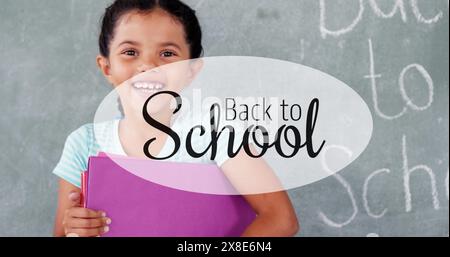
[141, 208]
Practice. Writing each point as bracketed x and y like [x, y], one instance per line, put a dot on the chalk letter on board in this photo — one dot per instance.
[345, 184]
[428, 80]
[419, 16]
[324, 31]
[399, 5]
[406, 179]
[365, 188]
[373, 81]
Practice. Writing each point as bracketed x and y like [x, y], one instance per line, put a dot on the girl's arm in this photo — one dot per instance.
[64, 203]
[71, 218]
[275, 213]
[276, 216]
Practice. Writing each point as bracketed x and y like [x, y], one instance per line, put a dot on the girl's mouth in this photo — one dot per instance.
[148, 88]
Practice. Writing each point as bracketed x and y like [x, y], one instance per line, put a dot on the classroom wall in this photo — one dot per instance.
[397, 61]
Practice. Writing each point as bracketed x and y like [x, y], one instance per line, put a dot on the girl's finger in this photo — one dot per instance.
[87, 232]
[78, 212]
[88, 223]
[75, 198]
[72, 235]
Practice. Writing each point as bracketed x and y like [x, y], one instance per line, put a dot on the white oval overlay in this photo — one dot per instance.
[243, 88]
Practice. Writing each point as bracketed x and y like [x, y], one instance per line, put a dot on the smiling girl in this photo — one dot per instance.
[138, 36]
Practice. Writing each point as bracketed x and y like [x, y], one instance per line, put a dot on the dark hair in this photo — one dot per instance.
[183, 13]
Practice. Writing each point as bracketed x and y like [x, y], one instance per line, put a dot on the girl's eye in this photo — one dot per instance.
[168, 54]
[130, 53]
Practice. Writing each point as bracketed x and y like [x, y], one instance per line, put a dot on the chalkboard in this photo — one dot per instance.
[394, 53]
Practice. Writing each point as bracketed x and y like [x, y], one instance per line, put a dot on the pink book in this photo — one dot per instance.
[139, 207]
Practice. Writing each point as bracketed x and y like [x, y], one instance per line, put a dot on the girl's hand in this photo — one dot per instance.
[82, 222]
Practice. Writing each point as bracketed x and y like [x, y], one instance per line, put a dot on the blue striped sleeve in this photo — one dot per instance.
[74, 157]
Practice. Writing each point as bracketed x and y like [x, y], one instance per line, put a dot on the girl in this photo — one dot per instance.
[137, 36]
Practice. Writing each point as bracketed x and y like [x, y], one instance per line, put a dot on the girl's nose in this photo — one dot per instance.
[146, 67]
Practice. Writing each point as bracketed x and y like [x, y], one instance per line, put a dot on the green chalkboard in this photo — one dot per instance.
[394, 53]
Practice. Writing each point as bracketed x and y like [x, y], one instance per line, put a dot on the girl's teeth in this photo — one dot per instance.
[149, 86]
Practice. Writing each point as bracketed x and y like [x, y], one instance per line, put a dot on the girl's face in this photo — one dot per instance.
[141, 43]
